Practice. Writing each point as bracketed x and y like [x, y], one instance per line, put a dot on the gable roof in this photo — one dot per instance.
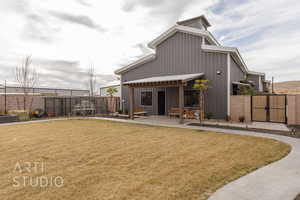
[193, 31]
[164, 36]
[234, 52]
[184, 29]
[202, 17]
[135, 64]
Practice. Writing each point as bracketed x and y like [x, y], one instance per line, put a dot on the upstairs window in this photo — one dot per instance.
[146, 98]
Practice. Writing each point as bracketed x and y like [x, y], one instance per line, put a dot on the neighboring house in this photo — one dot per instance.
[185, 52]
[46, 91]
[103, 90]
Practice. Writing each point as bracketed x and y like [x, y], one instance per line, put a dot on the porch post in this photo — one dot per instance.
[181, 103]
[131, 103]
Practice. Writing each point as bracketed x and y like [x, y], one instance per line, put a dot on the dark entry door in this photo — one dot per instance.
[269, 108]
[161, 102]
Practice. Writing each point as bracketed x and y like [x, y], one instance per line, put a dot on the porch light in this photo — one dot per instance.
[219, 72]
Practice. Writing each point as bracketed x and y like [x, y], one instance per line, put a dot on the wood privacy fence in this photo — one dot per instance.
[60, 106]
[266, 108]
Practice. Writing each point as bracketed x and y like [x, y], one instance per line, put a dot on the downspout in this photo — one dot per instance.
[228, 84]
[121, 94]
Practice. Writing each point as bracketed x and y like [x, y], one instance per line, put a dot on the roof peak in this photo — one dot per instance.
[191, 20]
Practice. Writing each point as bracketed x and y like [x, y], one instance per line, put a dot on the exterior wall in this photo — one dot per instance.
[240, 106]
[293, 110]
[103, 92]
[196, 24]
[182, 54]
[15, 102]
[236, 73]
[258, 81]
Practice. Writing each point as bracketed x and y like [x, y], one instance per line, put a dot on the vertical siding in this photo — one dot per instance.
[182, 54]
[255, 79]
[236, 74]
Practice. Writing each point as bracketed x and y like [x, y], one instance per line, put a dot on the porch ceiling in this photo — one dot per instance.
[163, 81]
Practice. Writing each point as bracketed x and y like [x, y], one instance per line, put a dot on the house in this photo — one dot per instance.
[103, 90]
[187, 51]
[45, 91]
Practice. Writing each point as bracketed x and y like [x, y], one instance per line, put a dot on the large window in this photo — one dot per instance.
[191, 98]
[146, 98]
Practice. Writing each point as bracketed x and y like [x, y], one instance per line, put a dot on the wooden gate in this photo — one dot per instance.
[269, 108]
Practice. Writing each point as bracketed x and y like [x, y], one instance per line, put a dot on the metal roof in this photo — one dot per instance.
[184, 78]
[195, 18]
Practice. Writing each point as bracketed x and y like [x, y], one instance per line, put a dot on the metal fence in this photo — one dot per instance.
[67, 106]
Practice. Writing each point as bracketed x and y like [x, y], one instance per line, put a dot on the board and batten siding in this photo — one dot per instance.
[182, 54]
[236, 73]
[258, 81]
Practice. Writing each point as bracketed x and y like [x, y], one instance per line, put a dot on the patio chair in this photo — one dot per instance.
[174, 112]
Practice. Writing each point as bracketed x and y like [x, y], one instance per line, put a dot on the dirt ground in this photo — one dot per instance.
[94, 159]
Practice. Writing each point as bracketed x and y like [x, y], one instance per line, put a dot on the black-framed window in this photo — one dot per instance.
[191, 98]
[146, 98]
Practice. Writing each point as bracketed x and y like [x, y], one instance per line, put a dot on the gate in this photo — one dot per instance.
[269, 108]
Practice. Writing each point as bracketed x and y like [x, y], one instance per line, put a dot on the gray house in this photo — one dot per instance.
[185, 52]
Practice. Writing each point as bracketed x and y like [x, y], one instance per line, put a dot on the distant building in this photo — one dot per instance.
[103, 90]
[46, 91]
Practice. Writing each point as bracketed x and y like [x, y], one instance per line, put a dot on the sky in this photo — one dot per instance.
[65, 37]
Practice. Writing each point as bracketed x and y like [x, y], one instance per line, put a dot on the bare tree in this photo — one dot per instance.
[91, 79]
[27, 78]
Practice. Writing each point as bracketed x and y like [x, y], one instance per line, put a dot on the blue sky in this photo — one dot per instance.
[64, 37]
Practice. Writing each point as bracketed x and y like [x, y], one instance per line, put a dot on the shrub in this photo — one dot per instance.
[23, 115]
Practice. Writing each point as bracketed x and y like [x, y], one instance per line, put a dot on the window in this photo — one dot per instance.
[191, 98]
[146, 98]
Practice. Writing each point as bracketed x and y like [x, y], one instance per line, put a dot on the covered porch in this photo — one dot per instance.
[176, 82]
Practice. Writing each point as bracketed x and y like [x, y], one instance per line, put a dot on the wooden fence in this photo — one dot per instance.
[241, 107]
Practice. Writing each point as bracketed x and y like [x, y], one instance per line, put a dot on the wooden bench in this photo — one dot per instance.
[174, 112]
[139, 111]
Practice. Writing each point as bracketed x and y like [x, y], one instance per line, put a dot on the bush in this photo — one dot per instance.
[23, 115]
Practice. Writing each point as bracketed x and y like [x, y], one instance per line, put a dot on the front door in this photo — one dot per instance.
[161, 102]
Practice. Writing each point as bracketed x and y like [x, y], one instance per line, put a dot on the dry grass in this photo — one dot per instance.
[109, 160]
[288, 87]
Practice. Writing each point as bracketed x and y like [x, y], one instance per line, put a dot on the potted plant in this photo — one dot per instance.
[209, 115]
[242, 119]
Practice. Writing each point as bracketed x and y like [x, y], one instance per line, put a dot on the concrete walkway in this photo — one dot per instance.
[277, 181]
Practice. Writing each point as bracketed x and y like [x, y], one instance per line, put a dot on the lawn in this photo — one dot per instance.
[108, 160]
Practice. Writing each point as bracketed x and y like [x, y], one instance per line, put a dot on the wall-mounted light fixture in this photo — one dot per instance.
[219, 72]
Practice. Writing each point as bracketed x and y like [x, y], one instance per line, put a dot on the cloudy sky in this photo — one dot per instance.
[65, 36]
